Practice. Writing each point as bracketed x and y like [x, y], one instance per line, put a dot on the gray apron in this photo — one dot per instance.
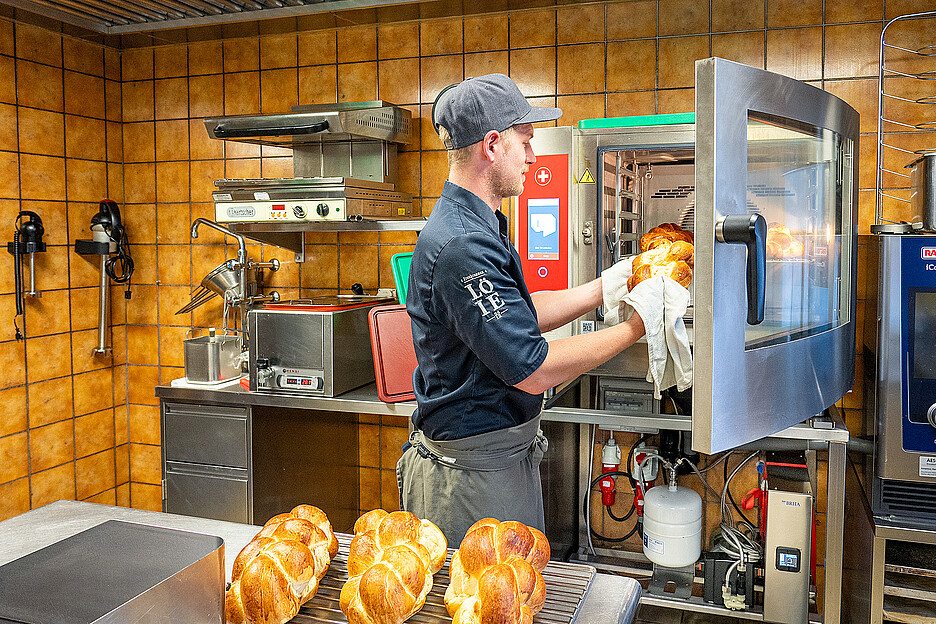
[455, 483]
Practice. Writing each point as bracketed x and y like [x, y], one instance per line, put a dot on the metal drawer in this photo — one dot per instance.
[205, 434]
[216, 492]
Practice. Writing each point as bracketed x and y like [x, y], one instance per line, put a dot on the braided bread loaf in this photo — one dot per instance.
[390, 564]
[279, 570]
[494, 577]
[663, 234]
[674, 259]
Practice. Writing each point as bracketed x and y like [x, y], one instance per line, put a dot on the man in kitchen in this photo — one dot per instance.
[483, 363]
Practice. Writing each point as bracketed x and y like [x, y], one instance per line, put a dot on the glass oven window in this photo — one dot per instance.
[923, 315]
[799, 179]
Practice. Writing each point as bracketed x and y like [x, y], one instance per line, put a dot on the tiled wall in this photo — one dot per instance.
[63, 425]
[83, 121]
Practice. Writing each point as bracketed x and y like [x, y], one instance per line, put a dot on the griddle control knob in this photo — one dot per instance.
[322, 209]
[931, 415]
[299, 211]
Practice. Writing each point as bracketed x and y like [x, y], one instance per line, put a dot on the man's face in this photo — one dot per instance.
[507, 173]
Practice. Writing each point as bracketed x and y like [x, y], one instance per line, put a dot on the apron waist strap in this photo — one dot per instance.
[495, 450]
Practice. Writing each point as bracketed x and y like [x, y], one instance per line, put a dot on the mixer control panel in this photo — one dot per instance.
[275, 211]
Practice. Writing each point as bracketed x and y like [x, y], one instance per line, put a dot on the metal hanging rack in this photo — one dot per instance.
[911, 117]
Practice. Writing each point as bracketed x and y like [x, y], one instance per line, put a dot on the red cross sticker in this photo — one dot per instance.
[542, 176]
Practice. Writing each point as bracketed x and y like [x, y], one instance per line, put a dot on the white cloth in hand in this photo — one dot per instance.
[661, 303]
[613, 288]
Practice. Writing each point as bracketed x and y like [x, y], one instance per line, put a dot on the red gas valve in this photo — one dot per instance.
[610, 462]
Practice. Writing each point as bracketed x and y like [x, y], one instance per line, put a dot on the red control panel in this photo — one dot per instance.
[543, 224]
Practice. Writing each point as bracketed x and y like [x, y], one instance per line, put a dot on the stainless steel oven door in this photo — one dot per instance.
[776, 247]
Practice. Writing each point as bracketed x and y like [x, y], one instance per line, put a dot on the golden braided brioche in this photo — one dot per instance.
[674, 259]
[390, 564]
[279, 570]
[781, 244]
[663, 234]
[494, 577]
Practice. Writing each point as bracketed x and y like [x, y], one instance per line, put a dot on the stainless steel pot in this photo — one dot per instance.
[923, 189]
[212, 358]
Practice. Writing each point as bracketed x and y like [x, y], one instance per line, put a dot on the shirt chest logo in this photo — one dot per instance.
[484, 296]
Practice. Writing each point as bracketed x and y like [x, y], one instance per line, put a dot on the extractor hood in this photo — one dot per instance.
[319, 123]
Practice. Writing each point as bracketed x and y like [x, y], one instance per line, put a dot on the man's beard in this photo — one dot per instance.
[504, 182]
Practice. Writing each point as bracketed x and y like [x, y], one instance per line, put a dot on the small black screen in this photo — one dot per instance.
[924, 335]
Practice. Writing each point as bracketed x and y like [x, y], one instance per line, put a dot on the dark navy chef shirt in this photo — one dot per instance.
[474, 325]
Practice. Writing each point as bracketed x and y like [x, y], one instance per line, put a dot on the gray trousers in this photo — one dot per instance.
[455, 483]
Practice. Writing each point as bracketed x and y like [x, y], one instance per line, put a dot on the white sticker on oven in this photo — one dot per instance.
[928, 253]
[928, 466]
[261, 196]
[653, 545]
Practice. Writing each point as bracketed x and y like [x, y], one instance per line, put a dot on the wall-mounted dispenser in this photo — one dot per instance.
[27, 239]
[110, 242]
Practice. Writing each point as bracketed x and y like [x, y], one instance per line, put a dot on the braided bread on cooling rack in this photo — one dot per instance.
[495, 576]
[390, 565]
[280, 569]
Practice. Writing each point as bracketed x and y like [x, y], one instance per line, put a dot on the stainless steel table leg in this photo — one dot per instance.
[835, 532]
[877, 581]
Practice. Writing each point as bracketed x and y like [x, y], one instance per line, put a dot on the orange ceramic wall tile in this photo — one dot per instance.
[94, 474]
[532, 28]
[631, 65]
[85, 138]
[580, 24]
[357, 44]
[94, 433]
[15, 451]
[205, 57]
[51, 485]
[41, 365]
[683, 18]
[317, 48]
[397, 41]
[84, 95]
[38, 44]
[782, 13]
[441, 37]
[13, 411]
[534, 70]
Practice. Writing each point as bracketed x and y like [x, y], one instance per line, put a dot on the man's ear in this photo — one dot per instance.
[489, 143]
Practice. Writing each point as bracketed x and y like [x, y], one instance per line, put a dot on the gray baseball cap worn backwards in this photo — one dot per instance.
[472, 108]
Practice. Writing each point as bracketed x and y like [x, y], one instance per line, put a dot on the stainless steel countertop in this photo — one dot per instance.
[610, 600]
[364, 400]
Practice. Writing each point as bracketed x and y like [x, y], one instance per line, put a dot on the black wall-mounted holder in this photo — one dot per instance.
[27, 239]
[110, 244]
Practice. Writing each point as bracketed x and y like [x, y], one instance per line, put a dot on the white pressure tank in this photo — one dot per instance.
[672, 531]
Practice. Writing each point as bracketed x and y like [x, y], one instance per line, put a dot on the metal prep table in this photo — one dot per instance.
[608, 599]
[364, 400]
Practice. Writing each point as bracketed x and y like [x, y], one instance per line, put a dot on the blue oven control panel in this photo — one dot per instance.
[918, 318]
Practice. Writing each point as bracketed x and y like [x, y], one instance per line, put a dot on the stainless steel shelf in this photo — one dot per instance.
[364, 400]
[291, 235]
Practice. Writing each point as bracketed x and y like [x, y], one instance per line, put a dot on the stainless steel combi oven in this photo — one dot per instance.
[772, 327]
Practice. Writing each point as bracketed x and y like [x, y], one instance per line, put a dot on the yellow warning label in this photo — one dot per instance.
[586, 178]
[401, 212]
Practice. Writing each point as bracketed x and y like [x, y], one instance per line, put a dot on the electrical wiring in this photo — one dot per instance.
[683, 460]
[732, 538]
[728, 491]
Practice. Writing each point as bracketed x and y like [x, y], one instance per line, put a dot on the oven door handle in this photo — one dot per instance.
[751, 231]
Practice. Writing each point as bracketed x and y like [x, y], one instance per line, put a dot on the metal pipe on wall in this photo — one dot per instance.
[102, 311]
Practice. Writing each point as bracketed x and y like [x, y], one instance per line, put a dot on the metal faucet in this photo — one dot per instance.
[241, 251]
